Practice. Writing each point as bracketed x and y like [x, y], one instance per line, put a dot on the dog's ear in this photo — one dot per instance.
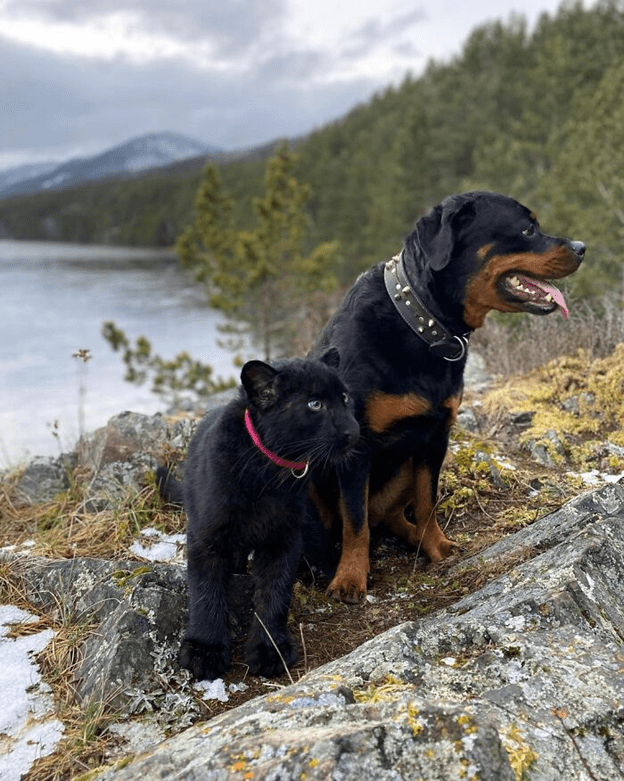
[436, 233]
[258, 380]
[331, 358]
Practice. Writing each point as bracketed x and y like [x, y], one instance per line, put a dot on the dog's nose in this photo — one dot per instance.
[579, 248]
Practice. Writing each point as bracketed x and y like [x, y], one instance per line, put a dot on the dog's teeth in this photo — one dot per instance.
[549, 297]
[515, 281]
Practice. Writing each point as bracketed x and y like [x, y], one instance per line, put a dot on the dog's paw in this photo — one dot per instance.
[440, 548]
[263, 659]
[205, 662]
[347, 589]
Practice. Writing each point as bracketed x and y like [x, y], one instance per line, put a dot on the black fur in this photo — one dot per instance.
[461, 260]
[238, 501]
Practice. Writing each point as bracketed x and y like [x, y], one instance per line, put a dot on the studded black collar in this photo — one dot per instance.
[441, 343]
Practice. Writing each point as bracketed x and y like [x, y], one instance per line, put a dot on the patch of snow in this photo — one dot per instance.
[28, 728]
[22, 547]
[594, 477]
[55, 180]
[213, 690]
[156, 546]
[22, 173]
[150, 531]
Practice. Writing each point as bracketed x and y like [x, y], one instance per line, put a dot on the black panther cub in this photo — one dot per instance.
[243, 492]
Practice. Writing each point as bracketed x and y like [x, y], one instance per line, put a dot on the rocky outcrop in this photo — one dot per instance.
[522, 679]
[114, 460]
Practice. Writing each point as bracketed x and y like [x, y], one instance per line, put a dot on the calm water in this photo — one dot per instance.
[54, 299]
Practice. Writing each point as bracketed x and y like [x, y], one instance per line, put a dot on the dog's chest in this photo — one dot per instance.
[389, 414]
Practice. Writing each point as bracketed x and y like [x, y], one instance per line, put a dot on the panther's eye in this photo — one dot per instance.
[529, 231]
[315, 405]
[345, 398]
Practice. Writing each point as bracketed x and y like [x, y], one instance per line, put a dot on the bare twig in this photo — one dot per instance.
[279, 653]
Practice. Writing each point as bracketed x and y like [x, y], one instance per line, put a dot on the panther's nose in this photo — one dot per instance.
[579, 248]
[351, 435]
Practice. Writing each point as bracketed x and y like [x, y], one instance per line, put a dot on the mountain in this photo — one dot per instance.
[13, 176]
[139, 154]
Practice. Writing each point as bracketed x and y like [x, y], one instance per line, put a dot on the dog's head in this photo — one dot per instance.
[485, 251]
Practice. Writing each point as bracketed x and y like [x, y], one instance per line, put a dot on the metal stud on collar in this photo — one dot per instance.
[417, 317]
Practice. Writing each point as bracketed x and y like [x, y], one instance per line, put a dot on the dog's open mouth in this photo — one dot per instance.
[535, 294]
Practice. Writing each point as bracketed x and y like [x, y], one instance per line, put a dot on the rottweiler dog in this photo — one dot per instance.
[402, 331]
[245, 490]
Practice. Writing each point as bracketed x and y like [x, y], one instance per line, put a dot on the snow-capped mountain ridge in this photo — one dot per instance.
[139, 154]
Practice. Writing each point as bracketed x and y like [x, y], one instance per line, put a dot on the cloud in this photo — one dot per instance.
[375, 32]
[70, 106]
[86, 76]
[235, 25]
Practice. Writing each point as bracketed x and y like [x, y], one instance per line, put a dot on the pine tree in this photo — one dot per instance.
[262, 280]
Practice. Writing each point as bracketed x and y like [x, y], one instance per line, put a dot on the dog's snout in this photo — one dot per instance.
[579, 248]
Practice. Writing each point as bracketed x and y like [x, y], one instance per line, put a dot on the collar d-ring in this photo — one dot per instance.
[300, 474]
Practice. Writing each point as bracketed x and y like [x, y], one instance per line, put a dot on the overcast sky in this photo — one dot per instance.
[78, 76]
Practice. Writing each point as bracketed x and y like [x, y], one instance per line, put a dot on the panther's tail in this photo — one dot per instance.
[169, 488]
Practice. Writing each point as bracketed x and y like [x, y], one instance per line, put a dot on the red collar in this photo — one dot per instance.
[301, 466]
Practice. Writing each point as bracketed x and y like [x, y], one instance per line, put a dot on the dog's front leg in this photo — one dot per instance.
[429, 535]
[269, 649]
[206, 649]
[349, 582]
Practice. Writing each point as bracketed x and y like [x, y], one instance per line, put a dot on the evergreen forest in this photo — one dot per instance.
[536, 114]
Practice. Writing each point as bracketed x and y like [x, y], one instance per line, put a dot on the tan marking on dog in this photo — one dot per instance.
[388, 504]
[483, 251]
[384, 409]
[349, 582]
[325, 515]
[432, 539]
[482, 295]
[453, 404]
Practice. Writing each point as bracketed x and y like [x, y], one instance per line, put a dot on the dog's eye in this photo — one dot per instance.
[345, 398]
[529, 231]
[315, 405]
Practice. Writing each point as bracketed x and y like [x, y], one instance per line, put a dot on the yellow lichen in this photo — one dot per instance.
[521, 756]
[576, 402]
[413, 719]
[380, 692]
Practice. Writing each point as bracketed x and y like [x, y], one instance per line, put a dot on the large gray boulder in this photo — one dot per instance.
[118, 456]
[522, 679]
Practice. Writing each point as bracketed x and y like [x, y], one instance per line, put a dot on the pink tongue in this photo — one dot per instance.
[547, 288]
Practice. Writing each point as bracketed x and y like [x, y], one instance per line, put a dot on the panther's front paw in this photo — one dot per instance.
[205, 661]
[263, 659]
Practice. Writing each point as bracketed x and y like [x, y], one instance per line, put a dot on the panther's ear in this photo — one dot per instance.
[331, 358]
[436, 233]
[258, 380]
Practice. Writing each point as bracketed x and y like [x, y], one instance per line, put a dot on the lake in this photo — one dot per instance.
[55, 298]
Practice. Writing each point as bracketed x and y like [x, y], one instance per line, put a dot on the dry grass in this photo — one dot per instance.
[513, 345]
[63, 527]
